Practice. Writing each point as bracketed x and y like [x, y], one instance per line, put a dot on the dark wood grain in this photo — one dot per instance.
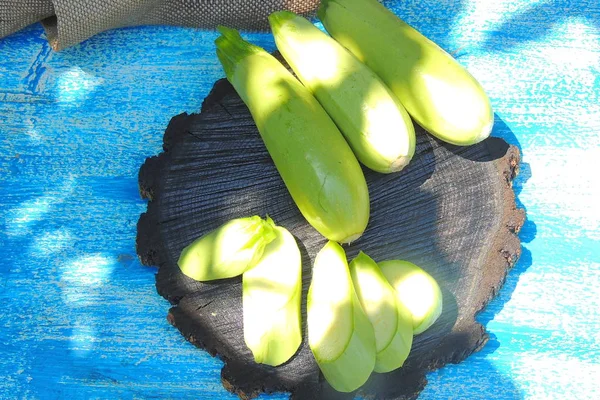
[451, 211]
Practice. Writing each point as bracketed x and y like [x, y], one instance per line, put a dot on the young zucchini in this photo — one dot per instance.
[227, 251]
[340, 334]
[391, 320]
[416, 290]
[315, 162]
[375, 124]
[434, 88]
[271, 293]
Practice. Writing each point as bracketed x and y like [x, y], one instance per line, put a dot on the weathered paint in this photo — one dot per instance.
[81, 317]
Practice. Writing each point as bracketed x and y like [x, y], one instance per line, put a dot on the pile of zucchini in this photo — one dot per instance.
[355, 98]
[361, 316]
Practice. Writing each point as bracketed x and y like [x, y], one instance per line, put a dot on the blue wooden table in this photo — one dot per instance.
[80, 315]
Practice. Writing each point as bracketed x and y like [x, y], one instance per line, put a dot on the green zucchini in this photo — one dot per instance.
[271, 293]
[315, 162]
[375, 124]
[391, 320]
[340, 335]
[416, 290]
[441, 95]
[227, 251]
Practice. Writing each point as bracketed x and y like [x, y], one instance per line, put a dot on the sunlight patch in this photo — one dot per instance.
[75, 85]
[22, 217]
[543, 375]
[29, 212]
[51, 242]
[82, 338]
[579, 207]
[81, 277]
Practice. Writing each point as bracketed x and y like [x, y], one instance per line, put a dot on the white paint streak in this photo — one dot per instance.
[547, 299]
[557, 377]
[556, 183]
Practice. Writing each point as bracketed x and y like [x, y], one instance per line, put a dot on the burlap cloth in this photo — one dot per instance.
[68, 22]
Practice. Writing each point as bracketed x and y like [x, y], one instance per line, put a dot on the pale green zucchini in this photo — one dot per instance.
[339, 333]
[271, 293]
[391, 320]
[416, 290]
[441, 95]
[227, 251]
[375, 124]
[316, 164]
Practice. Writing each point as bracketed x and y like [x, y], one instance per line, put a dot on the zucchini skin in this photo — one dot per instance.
[316, 164]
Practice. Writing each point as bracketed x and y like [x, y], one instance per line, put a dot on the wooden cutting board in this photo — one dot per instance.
[451, 211]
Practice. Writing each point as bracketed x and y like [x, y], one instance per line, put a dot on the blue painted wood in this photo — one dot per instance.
[80, 316]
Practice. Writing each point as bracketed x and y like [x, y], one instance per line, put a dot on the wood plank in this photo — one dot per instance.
[539, 62]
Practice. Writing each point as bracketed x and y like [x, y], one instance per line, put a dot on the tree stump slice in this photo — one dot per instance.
[452, 211]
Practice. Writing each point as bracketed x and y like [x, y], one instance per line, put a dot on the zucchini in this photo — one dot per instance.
[315, 162]
[440, 95]
[227, 251]
[340, 335]
[416, 290]
[375, 124]
[391, 320]
[271, 293]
